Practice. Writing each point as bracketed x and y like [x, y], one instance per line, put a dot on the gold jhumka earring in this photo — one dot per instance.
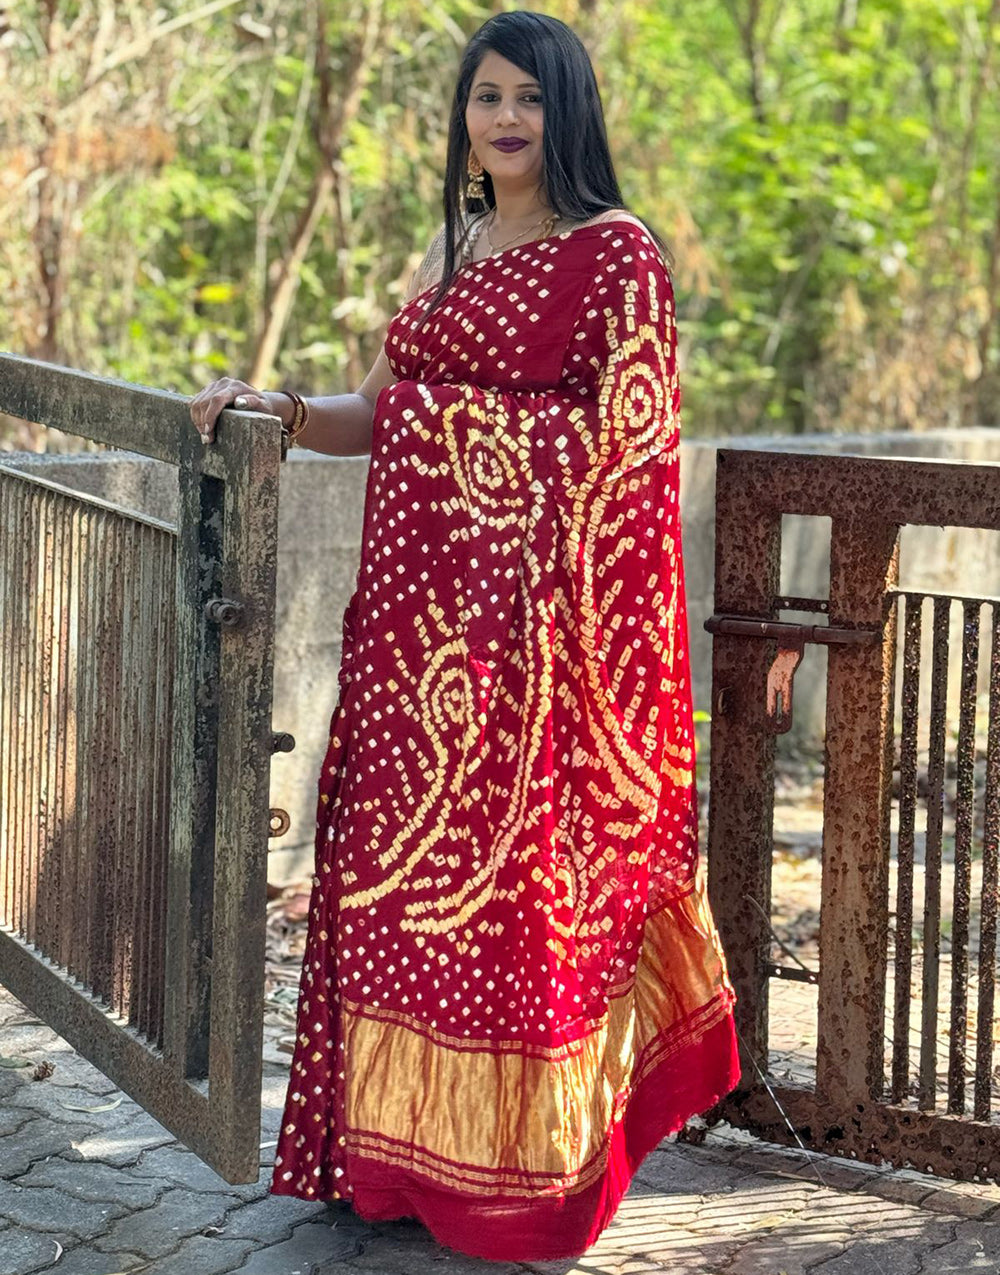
[475, 190]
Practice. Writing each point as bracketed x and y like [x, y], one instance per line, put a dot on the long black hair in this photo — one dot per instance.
[578, 175]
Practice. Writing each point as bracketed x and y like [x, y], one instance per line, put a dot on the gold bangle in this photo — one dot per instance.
[300, 418]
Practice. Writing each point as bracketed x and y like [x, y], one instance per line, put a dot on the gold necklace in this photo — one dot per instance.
[495, 248]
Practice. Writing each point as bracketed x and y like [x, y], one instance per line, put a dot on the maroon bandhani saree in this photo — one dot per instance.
[513, 988]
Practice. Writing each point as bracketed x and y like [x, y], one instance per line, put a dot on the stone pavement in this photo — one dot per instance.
[91, 1185]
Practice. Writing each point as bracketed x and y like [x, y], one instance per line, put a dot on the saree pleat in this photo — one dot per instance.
[513, 987]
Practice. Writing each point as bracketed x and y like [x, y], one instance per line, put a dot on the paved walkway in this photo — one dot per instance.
[91, 1185]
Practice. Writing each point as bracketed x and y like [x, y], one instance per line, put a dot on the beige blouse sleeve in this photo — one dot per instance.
[431, 267]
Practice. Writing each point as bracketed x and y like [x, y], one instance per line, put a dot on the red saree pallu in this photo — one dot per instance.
[513, 987]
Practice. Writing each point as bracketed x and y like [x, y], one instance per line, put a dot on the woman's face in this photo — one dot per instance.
[505, 102]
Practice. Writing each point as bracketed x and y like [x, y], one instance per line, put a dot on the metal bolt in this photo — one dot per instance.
[224, 611]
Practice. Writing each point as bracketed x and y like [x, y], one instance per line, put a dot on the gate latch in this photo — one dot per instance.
[791, 639]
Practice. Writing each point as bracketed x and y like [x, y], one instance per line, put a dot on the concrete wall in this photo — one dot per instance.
[321, 505]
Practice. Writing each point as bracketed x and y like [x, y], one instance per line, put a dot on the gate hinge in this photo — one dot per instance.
[791, 639]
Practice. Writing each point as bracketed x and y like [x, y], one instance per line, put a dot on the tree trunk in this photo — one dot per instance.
[333, 116]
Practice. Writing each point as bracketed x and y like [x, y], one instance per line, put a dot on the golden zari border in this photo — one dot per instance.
[520, 1113]
[470, 1182]
[474, 1180]
[472, 1045]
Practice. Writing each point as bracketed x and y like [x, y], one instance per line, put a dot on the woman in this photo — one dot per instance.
[512, 988]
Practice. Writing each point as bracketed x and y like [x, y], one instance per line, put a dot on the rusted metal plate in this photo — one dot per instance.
[874, 1132]
[864, 562]
[135, 754]
[741, 793]
[936, 493]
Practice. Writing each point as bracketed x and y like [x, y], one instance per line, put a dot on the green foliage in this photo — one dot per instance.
[829, 192]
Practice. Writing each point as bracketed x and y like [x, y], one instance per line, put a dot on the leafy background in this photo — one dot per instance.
[192, 190]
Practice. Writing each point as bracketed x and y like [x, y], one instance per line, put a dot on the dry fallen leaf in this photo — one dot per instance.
[104, 1106]
[296, 908]
[43, 1070]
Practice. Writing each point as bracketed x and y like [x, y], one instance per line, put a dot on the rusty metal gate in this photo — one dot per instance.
[904, 1066]
[135, 704]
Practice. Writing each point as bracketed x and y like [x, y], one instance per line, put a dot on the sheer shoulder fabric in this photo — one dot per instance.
[432, 266]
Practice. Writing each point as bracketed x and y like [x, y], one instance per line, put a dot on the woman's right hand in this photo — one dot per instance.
[227, 392]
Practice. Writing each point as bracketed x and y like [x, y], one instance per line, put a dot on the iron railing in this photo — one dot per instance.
[903, 1023]
[135, 705]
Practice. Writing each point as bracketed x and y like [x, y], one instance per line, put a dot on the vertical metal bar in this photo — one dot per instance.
[142, 659]
[932, 857]
[115, 703]
[864, 565]
[17, 718]
[43, 614]
[8, 685]
[167, 730]
[130, 768]
[140, 664]
[51, 732]
[79, 963]
[119, 727]
[965, 799]
[37, 756]
[903, 948]
[68, 830]
[18, 721]
[982, 1098]
[97, 839]
[160, 617]
[7, 541]
[249, 568]
[50, 867]
[25, 743]
[31, 735]
[54, 731]
[117, 781]
[105, 664]
[741, 789]
[54, 872]
[190, 888]
[140, 962]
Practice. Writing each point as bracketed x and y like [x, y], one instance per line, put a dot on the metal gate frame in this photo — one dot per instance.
[204, 1085]
[868, 501]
